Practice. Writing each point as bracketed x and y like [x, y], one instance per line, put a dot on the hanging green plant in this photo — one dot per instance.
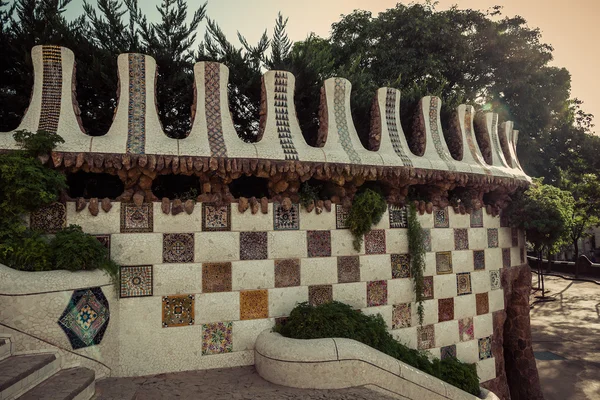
[367, 209]
[416, 249]
[308, 194]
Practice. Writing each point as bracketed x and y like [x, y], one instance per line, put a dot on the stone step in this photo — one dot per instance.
[4, 348]
[69, 384]
[20, 373]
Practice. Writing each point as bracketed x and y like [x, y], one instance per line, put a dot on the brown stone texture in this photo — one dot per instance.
[93, 206]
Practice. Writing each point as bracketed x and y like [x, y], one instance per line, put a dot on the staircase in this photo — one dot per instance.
[40, 377]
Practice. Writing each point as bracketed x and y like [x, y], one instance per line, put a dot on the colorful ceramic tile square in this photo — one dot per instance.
[446, 309]
[448, 352]
[425, 337]
[136, 281]
[427, 239]
[495, 279]
[104, 241]
[400, 266]
[441, 218]
[85, 318]
[443, 262]
[401, 316]
[463, 283]
[514, 235]
[216, 277]
[479, 260]
[477, 218]
[253, 245]
[375, 242]
[341, 216]
[49, 219]
[492, 234]
[348, 268]
[461, 239]
[178, 247]
[320, 294]
[285, 220]
[465, 329]
[136, 219]
[485, 347]
[506, 258]
[287, 272]
[482, 303]
[217, 338]
[216, 217]
[428, 288]
[178, 310]
[398, 217]
[318, 243]
[376, 293]
[254, 304]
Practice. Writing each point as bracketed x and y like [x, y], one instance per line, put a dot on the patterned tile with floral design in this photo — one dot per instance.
[461, 239]
[375, 242]
[428, 288]
[320, 294]
[400, 266]
[425, 337]
[49, 219]
[398, 217]
[492, 237]
[506, 258]
[287, 272]
[463, 283]
[495, 279]
[485, 347]
[441, 218]
[478, 260]
[477, 218]
[446, 309]
[286, 220]
[348, 269]
[254, 304]
[178, 310]
[443, 262]
[448, 352]
[401, 316]
[465, 329]
[136, 281]
[318, 243]
[253, 246]
[136, 219]
[216, 217]
[217, 338]
[178, 247]
[216, 277]
[376, 293]
[341, 216]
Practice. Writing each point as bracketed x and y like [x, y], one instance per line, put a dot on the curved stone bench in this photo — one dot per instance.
[344, 363]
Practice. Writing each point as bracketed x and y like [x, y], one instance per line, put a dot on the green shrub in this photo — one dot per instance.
[336, 319]
[367, 209]
[308, 193]
[416, 249]
[26, 252]
[38, 143]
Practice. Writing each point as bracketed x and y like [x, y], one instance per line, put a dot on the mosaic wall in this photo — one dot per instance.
[436, 134]
[282, 120]
[223, 277]
[212, 82]
[136, 111]
[51, 88]
[339, 109]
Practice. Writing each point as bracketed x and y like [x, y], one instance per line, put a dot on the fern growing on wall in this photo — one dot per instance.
[416, 249]
[367, 209]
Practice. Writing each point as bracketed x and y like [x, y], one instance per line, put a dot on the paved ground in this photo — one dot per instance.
[566, 339]
[233, 383]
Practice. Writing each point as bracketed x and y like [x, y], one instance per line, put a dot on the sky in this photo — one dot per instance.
[571, 27]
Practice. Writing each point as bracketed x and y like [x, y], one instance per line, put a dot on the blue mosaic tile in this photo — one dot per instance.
[85, 318]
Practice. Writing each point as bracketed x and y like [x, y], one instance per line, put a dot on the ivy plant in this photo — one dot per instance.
[416, 249]
[367, 209]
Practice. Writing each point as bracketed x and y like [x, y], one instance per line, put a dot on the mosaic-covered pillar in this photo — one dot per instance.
[213, 133]
[337, 134]
[471, 152]
[506, 135]
[280, 134]
[499, 163]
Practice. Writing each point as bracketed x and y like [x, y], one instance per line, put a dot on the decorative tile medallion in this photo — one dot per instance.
[49, 219]
[436, 135]
[425, 337]
[348, 268]
[136, 115]
[398, 217]
[178, 310]
[318, 243]
[375, 242]
[253, 245]
[136, 219]
[281, 116]
[461, 239]
[217, 338]
[446, 309]
[341, 215]
[287, 272]
[339, 110]
[285, 220]
[376, 293]
[514, 233]
[482, 303]
[441, 219]
[506, 258]
[443, 262]
[448, 352]
[320, 294]
[495, 279]
[104, 241]
[485, 347]
[492, 237]
[479, 259]
[51, 88]
[216, 217]
[463, 283]
[136, 281]
[85, 318]
[178, 247]
[390, 118]
[465, 329]
[427, 239]
[216, 277]
[254, 304]
[212, 108]
[400, 266]
[477, 218]
[401, 316]
[428, 288]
